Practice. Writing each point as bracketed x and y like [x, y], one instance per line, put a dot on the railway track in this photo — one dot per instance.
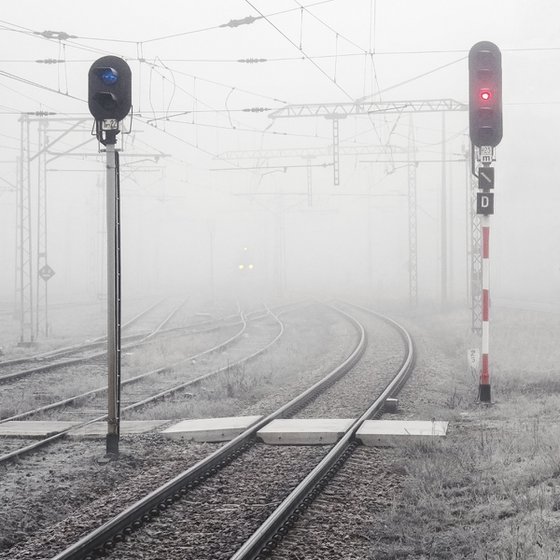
[212, 472]
[129, 342]
[152, 392]
[84, 352]
[88, 345]
[271, 532]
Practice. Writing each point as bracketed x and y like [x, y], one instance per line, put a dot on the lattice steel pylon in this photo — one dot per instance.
[309, 183]
[24, 246]
[475, 251]
[336, 152]
[412, 219]
[41, 308]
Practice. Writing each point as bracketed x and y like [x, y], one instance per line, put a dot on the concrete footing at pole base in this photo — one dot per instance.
[484, 393]
[112, 444]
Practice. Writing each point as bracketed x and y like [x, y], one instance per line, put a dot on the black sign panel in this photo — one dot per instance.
[485, 203]
[486, 178]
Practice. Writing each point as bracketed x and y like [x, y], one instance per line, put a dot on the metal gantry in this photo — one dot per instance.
[343, 110]
[312, 152]
[337, 111]
[31, 282]
[309, 154]
[32, 271]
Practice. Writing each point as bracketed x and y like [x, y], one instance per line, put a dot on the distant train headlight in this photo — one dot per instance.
[251, 266]
[241, 267]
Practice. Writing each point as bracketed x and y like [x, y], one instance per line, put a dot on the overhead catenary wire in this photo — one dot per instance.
[163, 65]
[217, 83]
[173, 36]
[325, 24]
[417, 77]
[305, 54]
[261, 60]
[239, 129]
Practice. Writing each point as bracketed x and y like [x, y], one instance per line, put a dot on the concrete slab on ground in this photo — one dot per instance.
[210, 429]
[33, 428]
[45, 428]
[304, 431]
[99, 429]
[388, 433]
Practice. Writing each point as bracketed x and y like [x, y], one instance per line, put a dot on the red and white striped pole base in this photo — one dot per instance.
[484, 394]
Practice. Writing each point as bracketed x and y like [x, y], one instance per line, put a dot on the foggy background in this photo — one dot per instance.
[190, 218]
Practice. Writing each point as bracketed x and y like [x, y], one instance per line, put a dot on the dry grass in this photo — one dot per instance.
[485, 493]
[224, 394]
[491, 490]
[245, 389]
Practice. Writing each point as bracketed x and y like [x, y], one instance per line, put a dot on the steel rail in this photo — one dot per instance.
[17, 453]
[76, 347]
[64, 402]
[135, 379]
[164, 322]
[114, 530]
[144, 337]
[269, 534]
[83, 359]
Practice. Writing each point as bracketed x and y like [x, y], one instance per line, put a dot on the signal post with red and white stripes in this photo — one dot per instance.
[485, 208]
[484, 386]
[485, 130]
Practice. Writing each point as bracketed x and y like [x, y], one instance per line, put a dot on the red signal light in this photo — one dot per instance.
[485, 94]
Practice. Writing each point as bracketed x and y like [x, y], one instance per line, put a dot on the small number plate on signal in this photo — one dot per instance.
[486, 153]
[109, 124]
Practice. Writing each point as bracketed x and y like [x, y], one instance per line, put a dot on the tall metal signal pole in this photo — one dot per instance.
[109, 101]
[485, 124]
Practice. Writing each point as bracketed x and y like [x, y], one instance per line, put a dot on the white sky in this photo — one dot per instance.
[197, 71]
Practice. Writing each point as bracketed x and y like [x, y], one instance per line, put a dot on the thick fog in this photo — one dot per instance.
[201, 219]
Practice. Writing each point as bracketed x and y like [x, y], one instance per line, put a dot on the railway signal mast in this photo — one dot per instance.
[109, 101]
[485, 124]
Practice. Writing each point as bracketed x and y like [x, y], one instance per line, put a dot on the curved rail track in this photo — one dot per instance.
[105, 537]
[268, 536]
[147, 400]
[80, 348]
[88, 345]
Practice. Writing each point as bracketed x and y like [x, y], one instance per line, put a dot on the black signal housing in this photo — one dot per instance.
[485, 94]
[109, 88]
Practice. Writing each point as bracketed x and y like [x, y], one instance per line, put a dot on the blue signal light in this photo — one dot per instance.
[109, 76]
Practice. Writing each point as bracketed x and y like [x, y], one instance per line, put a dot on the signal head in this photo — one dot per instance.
[485, 94]
[110, 88]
